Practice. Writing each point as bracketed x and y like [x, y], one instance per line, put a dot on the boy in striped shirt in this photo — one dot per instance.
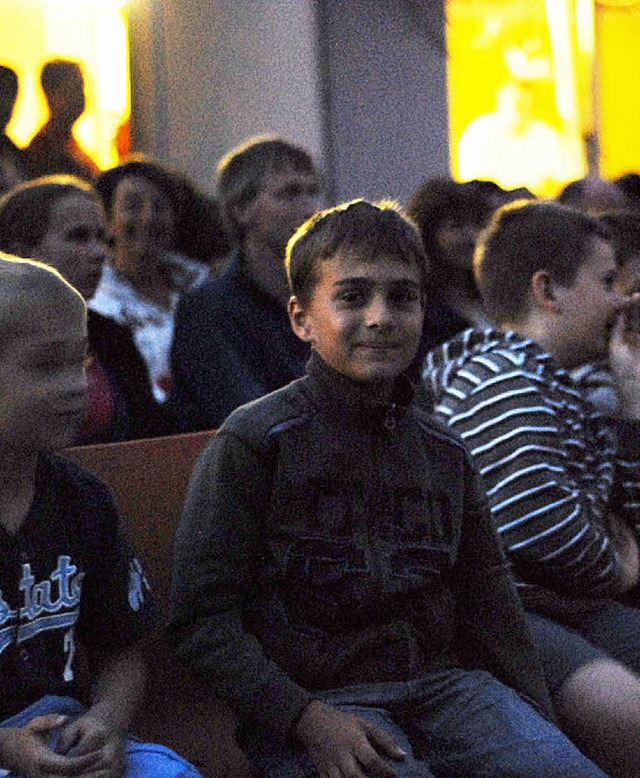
[563, 484]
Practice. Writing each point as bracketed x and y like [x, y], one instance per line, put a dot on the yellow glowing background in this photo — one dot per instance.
[93, 32]
[542, 91]
[618, 26]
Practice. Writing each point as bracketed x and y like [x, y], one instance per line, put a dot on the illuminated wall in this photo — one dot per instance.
[618, 85]
[93, 32]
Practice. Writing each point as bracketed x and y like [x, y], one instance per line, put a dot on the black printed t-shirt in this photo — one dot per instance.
[69, 573]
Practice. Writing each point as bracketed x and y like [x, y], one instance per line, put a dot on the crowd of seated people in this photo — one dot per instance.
[60, 220]
[233, 342]
[330, 520]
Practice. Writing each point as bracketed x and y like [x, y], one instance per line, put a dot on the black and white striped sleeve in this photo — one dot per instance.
[548, 491]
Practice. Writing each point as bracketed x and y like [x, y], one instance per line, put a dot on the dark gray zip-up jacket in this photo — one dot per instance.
[327, 541]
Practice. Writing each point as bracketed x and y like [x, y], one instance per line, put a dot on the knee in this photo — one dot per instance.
[598, 707]
[602, 686]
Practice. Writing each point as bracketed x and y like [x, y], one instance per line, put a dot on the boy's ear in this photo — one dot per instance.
[543, 292]
[300, 320]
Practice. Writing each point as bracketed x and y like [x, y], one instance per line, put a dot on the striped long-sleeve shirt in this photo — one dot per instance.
[553, 469]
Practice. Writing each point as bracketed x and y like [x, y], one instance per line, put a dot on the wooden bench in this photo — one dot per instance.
[149, 478]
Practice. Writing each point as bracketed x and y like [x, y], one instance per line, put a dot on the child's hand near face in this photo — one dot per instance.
[25, 751]
[624, 360]
[88, 736]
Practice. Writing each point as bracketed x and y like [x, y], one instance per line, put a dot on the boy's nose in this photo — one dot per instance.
[79, 385]
[378, 313]
[309, 204]
[99, 252]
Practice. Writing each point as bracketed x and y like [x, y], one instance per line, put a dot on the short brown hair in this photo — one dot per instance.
[369, 230]
[240, 172]
[25, 210]
[522, 238]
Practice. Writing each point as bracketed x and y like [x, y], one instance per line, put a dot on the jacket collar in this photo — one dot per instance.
[356, 402]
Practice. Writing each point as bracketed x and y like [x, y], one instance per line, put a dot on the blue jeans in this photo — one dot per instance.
[143, 759]
[574, 637]
[452, 724]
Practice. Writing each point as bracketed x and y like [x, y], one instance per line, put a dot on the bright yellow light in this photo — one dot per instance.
[93, 32]
[617, 94]
[116, 5]
[512, 97]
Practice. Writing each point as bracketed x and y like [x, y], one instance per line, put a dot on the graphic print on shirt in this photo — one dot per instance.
[69, 646]
[51, 604]
[338, 530]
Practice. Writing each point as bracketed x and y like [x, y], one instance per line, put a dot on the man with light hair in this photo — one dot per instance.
[232, 340]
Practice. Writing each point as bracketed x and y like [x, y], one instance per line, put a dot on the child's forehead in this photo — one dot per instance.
[354, 264]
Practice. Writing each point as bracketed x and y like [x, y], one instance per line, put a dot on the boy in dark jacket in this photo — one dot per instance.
[337, 576]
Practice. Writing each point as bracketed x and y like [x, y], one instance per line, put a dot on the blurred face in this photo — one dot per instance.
[287, 198]
[364, 318]
[142, 224]
[456, 240]
[589, 307]
[628, 275]
[42, 378]
[75, 242]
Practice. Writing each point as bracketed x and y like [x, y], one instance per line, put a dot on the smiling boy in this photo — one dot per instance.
[337, 578]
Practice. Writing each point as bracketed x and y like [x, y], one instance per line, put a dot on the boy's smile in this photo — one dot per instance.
[364, 316]
[589, 307]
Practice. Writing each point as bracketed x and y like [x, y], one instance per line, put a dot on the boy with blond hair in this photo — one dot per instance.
[66, 569]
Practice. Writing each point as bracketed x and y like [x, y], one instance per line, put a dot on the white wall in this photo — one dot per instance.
[219, 71]
[384, 65]
[360, 83]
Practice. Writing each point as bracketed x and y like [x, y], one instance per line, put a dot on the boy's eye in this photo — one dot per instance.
[289, 192]
[352, 297]
[405, 296]
[78, 235]
[84, 234]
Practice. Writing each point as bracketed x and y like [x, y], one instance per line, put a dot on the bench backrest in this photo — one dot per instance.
[150, 479]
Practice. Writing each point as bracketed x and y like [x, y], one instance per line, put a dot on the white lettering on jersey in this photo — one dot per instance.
[47, 605]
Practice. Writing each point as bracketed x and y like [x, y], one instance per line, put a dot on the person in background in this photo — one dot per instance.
[54, 148]
[146, 205]
[450, 216]
[594, 195]
[595, 379]
[232, 338]
[630, 185]
[11, 157]
[60, 221]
